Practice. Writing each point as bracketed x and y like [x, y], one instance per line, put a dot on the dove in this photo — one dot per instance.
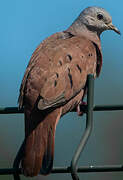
[54, 83]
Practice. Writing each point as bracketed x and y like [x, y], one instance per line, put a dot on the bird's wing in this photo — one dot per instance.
[72, 61]
[58, 70]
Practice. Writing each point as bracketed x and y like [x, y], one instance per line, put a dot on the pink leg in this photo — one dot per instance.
[79, 111]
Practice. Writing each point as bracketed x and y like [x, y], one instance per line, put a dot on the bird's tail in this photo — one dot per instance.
[39, 147]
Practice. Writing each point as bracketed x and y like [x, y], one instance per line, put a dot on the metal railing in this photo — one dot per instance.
[73, 169]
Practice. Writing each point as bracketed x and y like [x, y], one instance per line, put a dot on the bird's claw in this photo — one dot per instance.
[81, 108]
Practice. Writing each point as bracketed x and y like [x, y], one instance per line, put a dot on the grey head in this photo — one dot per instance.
[95, 19]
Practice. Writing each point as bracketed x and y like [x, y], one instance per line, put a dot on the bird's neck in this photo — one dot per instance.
[78, 29]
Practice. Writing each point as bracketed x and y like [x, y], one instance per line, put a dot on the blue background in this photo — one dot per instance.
[23, 25]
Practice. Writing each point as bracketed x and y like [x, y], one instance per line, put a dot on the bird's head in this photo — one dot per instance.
[96, 19]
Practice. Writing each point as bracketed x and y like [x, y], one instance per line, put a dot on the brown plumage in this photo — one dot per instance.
[54, 83]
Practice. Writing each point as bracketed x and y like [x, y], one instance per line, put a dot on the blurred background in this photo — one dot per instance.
[23, 25]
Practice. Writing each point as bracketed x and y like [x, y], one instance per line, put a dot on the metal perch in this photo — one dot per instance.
[73, 169]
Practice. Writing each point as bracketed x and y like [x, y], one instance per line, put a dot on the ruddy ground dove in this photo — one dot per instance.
[55, 83]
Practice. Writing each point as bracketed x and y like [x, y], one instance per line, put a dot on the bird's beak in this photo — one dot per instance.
[112, 27]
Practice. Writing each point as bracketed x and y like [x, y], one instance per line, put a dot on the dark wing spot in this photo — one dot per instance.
[70, 77]
[68, 70]
[55, 83]
[79, 68]
[69, 56]
[57, 75]
[60, 62]
[90, 54]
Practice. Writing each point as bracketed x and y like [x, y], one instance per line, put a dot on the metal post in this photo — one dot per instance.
[17, 161]
[89, 123]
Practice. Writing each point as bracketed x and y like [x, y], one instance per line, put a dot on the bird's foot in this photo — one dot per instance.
[81, 108]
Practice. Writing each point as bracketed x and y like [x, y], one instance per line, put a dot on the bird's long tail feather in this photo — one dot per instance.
[39, 147]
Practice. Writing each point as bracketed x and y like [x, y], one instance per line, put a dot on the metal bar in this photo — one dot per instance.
[108, 107]
[89, 169]
[17, 161]
[87, 132]
[10, 110]
[15, 110]
[9, 171]
[83, 169]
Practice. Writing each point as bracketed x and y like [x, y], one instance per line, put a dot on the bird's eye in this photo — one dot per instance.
[99, 16]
